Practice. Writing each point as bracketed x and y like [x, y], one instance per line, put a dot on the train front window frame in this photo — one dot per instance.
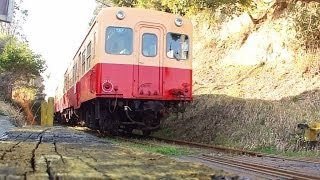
[177, 46]
[119, 40]
[149, 45]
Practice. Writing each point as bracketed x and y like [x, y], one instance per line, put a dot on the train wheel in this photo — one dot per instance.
[104, 120]
[89, 118]
[128, 130]
[114, 123]
[146, 133]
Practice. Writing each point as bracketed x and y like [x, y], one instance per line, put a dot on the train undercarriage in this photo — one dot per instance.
[120, 115]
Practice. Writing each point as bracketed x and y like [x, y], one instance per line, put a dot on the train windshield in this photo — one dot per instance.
[177, 46]
[119, 40]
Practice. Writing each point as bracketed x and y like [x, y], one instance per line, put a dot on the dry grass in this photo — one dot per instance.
[15, 115]
[308, 63]
[247, 123]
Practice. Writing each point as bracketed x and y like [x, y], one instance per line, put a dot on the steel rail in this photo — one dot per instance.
[258, 168]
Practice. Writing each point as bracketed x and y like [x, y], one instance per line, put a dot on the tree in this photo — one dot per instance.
[181, 7]
[17, 63]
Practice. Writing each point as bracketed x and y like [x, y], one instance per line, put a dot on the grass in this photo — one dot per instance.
[301, 153]
[164, 132]
[163, 149]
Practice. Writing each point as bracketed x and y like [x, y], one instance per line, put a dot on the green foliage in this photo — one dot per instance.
[18, 64]
[163, 149]
[154, 148]
[164, 132]
[173, 151]
[182, 7]
[18, 59]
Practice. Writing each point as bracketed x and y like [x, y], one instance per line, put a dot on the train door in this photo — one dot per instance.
[147, 78]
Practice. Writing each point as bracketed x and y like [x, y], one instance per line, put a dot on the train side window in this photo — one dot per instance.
[177, 46]
[79, 66]
[94, 44]
[83, 68]
[70, 81]
[149, 45]
[65, 82]
[88, 55]
[119, 40]
[74, 73]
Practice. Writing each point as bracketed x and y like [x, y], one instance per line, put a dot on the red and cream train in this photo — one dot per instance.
[132, 65]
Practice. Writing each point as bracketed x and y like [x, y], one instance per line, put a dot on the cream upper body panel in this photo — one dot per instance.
[92, 50]
[135, 19]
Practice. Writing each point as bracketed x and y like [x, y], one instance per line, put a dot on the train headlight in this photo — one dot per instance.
[107, 86]
[120, 15]
[178, 22]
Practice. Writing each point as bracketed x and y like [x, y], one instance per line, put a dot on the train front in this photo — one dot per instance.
[145, 64]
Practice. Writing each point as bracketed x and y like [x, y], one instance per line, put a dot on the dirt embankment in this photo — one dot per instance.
[15, 115]
[254, 80]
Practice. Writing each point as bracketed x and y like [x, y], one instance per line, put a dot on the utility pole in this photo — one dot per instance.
[6, 10]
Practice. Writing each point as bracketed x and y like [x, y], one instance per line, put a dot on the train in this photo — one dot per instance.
[132, 68]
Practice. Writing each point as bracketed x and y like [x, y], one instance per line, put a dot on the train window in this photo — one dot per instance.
[79, 66]
[74, 74]
[119, 40]
[65, 83]
[94, 44]
[70, 80]
[83, 68]
[149, 45]
[177, 46]
[88, 56]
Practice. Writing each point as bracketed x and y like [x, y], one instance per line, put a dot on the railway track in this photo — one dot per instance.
[235, 151]
[207, 146]
[258, 168]
[230, 161]
[247, 165]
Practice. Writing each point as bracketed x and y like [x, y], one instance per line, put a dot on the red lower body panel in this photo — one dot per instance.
[128, 82]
